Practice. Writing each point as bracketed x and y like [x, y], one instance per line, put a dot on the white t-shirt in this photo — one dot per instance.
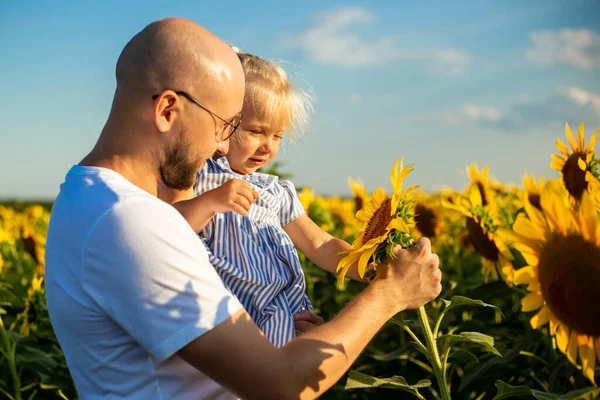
[128, 284]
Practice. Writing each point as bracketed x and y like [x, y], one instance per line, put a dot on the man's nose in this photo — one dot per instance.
[222, 149]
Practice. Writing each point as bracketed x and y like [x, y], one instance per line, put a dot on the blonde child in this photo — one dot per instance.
[253, 222]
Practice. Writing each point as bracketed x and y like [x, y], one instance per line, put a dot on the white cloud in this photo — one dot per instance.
[577, 47]
[481, 113]
[334, 39]
[356, 98]
[582, 98]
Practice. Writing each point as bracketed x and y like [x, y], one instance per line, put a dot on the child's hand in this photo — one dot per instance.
[234, 195]
[306, 321]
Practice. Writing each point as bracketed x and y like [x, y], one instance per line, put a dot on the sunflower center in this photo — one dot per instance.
[379, 221]
[569, 273]
[358, 203]
[573, 176]
[481, 242]
[426, 220]
[481, 189]
[535, 201]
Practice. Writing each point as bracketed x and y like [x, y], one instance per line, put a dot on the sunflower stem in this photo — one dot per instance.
[434, 355]
[10, 352]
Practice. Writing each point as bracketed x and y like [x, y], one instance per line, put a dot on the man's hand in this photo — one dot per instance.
[234, 195]
[413, 278]
[306, 321]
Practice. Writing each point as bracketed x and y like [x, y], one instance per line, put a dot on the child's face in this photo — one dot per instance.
[255, 144]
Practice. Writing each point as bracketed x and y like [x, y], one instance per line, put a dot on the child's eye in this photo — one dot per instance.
[278, 137]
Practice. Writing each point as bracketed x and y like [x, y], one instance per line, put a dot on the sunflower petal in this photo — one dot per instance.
[532, 301]
[534, 286]
[348, 261]
[562, 338]
[571, 137]
[363, 262]
[475, 197]
[526, 228]
[379, 195]
[587, 354]
[525, 275]
[581, 136]
[530, 258]
[394, 174]
[557, 162]
[581, 164]
[588, 218]
[560, 146]
[536, 216]
[592, 142]
[573, 347]
[398, 224]
[541, 318]
[473, 173]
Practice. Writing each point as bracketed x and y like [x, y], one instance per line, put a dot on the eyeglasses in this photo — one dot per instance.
[230, 126]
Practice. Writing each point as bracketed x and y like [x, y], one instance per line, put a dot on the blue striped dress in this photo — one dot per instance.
[254, 255]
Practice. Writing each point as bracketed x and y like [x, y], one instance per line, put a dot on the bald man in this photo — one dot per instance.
[136, 306]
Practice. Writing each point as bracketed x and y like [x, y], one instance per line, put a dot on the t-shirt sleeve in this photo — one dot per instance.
[291, 207]
[146, 268]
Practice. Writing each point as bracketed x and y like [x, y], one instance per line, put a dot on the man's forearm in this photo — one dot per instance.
[320, 357]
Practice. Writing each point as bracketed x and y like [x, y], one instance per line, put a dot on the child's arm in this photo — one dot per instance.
[319, 246]
[234, 195]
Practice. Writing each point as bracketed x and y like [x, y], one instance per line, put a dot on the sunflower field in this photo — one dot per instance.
[518, 317]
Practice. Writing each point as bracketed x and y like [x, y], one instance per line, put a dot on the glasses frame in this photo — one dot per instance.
[228, 124]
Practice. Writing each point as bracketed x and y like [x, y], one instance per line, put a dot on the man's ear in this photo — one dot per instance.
[166, 108]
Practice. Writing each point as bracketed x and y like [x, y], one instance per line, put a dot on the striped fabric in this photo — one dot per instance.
[253, 255]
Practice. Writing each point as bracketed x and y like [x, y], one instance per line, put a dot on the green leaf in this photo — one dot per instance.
[485, 341]
[458, 301]
[506, 391]
[356, 380]
[386, 357]
[48, 387]
[462, 357]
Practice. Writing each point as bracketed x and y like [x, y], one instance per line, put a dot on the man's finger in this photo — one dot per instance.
[421, 246]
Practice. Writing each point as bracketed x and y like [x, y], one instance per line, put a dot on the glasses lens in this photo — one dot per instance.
[233, 125]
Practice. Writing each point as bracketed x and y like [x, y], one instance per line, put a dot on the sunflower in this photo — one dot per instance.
[562, 249]
[481, 181]
[578, 167]
[361, 197]
[532, 191]
[481, 227]
[426, 216]
[386, 221]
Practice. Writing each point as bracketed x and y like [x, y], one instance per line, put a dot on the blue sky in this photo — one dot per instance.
[442, 84]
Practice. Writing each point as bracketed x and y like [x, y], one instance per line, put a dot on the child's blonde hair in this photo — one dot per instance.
[269, 91]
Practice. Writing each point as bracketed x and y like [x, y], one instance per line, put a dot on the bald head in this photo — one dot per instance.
[155, 132]
[176, 54]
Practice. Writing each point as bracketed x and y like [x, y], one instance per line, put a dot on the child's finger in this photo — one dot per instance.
[304, 326]
[308, 316]
[236, 208]
[243, 202]
[247, 193]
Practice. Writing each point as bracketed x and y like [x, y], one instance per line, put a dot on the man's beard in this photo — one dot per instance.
[178, 171]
